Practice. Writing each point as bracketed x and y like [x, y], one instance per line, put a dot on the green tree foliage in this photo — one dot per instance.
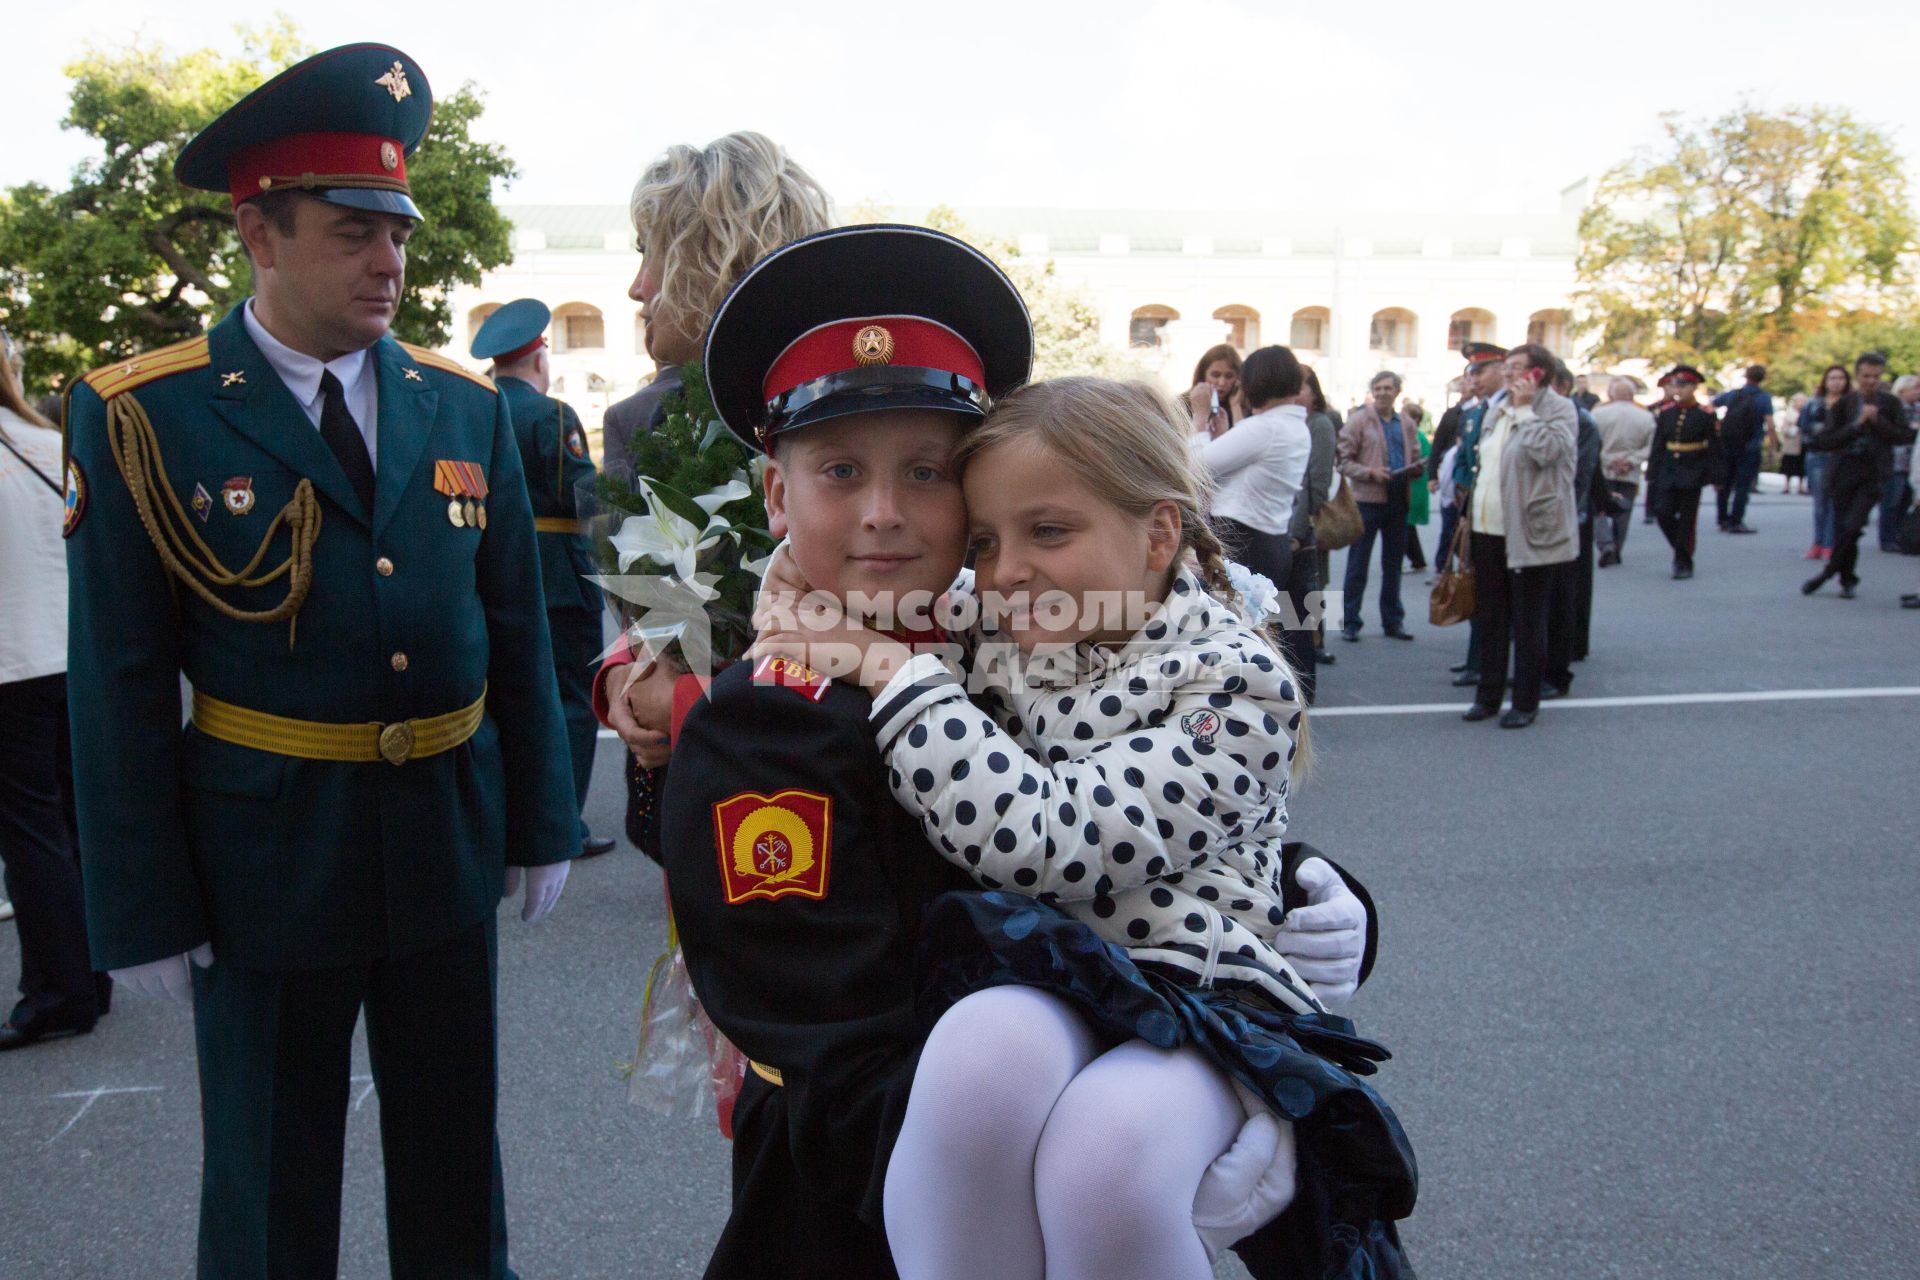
[1827, 341]
[1720, 245]
[1066, 327]
[126, 259]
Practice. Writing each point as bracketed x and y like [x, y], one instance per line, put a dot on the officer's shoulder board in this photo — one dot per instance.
[116, 379]
[434, 360]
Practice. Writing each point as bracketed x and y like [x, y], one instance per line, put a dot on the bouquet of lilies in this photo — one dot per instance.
[683, 536]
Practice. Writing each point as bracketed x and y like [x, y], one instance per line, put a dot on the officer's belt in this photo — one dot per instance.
[1695, 447]
[395, 743]
[558, 524]
[770, 1074]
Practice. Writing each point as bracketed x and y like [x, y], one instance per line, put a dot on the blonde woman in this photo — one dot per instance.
[701, 217]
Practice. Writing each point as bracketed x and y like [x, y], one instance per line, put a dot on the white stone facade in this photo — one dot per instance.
[1351, 294]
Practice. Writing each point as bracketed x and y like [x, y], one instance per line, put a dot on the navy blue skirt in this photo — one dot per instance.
[1356, 1168]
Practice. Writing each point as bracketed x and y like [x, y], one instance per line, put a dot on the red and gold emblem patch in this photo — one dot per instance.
[773, 846]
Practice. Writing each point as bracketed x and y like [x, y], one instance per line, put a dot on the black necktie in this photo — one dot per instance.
[342, 435]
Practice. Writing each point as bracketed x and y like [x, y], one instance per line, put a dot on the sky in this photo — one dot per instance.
[1127, 104]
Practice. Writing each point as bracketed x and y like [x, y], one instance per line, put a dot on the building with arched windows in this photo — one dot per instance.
[1352, 294]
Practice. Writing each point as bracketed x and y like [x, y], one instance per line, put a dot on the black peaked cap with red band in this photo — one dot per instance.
[338, 126]
[862, 319]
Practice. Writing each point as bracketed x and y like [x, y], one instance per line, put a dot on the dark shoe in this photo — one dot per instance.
[1466, 679]
[1608, 560]
[1399, 633]
[1457, 668]
[1681, 572]
[1324, 658]
[1740, 528]
[1516, 719]
[1350, 634]
[1910, 602]
[1813, 584]
[1479, 712]
[1846, 590]
[1548, 692]
[594, 846]
[18, 1035]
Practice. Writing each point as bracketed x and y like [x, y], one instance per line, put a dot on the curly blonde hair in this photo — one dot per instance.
[704, 215]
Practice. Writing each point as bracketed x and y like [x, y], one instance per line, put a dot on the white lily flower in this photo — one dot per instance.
[732, 491]
[662, 537]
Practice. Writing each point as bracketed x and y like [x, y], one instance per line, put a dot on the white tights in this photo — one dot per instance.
[1027, 1156]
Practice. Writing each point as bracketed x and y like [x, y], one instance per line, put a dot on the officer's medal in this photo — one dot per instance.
[465, 485]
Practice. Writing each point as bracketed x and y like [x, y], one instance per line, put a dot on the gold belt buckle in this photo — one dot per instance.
[396, 742]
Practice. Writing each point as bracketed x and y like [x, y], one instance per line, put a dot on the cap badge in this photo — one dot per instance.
[389, 157]
[873, 345]
[395, 83]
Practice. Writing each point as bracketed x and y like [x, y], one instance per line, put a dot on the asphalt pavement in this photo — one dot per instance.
[1648, 969]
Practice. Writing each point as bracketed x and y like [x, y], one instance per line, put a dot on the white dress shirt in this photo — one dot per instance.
[1259, 466]
[302, 372]
[1488, 518]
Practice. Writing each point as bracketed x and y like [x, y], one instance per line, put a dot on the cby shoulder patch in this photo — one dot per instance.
[789, 674]
[773, 846]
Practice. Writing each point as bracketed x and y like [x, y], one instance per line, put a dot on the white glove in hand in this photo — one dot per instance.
[1248, 1185]
[169, 979]
[543, 888]
[1325, 940]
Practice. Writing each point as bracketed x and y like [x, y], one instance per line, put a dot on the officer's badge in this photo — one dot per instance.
[872, 345]
[76, 497]
[1201, 726]
[465, 485]
[774, 846]
[789, 674]
[389, 157]
[577, 443]
[395, 82]
[237, 493]
[202, 502]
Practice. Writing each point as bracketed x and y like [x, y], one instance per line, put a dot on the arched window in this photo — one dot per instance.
[1394, 332]
[477, 317]
[1243, 326]
[1549, 329]
[1469, 324]
[1308, 332]
[578, 326]
[1144, 330]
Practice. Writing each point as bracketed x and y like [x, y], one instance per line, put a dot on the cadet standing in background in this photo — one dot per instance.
[327, 532]
[553, 453]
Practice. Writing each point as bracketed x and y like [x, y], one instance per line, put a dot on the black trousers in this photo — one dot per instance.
[275, 1056]
[1677, 508]
[1856, 490]
[1570, 611]
[576, 646]
[1271, 555]
[1511, 607]
[41, 853]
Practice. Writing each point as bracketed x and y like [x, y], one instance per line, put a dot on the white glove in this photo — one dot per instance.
[543, 888]
[1325, 940]
[168, 979]
[1248, 1185]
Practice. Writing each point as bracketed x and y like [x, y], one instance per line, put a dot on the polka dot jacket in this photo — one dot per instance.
[1142, 790]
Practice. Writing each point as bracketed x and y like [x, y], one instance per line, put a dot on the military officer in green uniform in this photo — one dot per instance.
[553, 452]
[327, 532]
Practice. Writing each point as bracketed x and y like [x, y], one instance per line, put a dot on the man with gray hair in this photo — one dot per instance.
[1378, 451]
[1626, 434]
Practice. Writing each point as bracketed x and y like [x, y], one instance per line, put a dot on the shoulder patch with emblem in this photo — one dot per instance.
[76, 497]
[434, 360]
[577, 442]
[116, 379]
[790, 674]
[774, 846]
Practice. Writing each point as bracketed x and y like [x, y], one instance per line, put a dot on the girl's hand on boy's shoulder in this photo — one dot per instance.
[821, 635]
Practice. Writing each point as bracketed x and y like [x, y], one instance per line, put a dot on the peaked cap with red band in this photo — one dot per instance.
[1683, 373]
[863, 319]
[1479, 353]
[517, 329]
[338, 126]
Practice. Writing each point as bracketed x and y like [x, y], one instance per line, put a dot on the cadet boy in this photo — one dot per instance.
[327, 532]
[1684, 454]
[553, 452]
[855, 359]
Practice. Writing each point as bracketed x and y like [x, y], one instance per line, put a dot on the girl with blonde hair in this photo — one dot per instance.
[1073, 1105]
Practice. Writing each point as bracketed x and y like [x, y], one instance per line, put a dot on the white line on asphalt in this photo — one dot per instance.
[92, 1096]
[1640, 700]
